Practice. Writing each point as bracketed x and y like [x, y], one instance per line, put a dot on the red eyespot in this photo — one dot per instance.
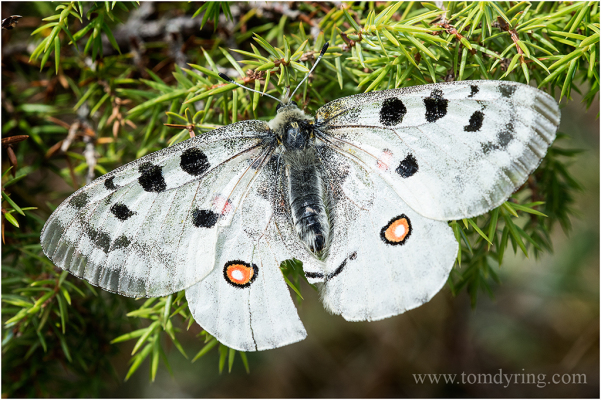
[385, 160]
[221, 205]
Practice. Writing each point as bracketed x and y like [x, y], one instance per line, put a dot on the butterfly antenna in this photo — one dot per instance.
[230, 80]
[323, 51]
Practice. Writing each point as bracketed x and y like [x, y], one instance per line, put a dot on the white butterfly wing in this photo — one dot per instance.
[211, 215]
[149, 228]
[245, 302]
[384, 258]
[450, 150]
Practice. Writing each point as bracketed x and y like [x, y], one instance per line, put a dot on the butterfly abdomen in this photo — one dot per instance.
[308, 199]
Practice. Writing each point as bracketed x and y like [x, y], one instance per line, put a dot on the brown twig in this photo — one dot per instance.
[451, 30]
[8, 143]
[504, 26]
[189, 127]
[72, 172]
[13, 139]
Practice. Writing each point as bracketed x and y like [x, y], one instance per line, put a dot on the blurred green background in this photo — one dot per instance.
[544, 318]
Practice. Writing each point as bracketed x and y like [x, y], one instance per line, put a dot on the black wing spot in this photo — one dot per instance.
[338, 270]
[436, 106]
[507, 90]
[80, 200]
[110, 184]
[194, 161]
[408, 167]
[100, 239]
[474, 89]
[392, 112]
[152, 179]
[121, 211]
[204, 218]
[475, 122]
[488, 147]
[121, 242]
[505, 136]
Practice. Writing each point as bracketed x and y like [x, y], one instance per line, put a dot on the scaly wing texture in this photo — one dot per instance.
[150, 228]
[450, 150]
[245, 302]
[384, 258]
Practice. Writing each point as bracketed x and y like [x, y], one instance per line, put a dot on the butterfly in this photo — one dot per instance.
[361, 194]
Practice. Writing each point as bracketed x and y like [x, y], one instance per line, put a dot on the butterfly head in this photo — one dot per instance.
[292, 127]
[296, 134]
[286, 107]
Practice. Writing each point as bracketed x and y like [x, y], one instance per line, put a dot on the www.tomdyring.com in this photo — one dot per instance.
[540, 380]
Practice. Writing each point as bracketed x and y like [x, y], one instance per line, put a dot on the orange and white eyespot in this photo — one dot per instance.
[397, 231]
[239, 273]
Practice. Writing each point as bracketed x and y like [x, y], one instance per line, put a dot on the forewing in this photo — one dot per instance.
[384, 258]
[245, 302]
[450, 150]
[149, 228]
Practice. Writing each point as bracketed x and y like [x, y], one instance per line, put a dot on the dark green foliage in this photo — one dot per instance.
[211, 11]
[110, 101]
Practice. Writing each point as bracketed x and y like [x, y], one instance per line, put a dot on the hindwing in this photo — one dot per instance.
[245, 301]
[384, 258]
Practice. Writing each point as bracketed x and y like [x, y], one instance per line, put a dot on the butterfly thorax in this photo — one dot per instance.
[307, 193]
